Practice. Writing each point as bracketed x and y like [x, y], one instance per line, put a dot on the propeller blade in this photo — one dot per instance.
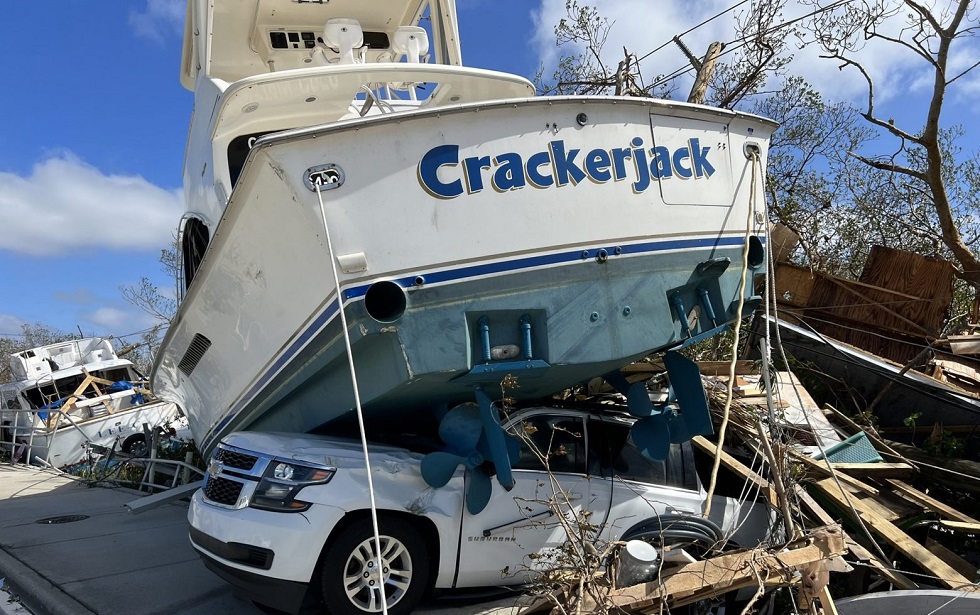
[496, 440]
[685, 379]
[439, 467]
[617, 381]
[461, 428]
[677, 427]
[651, 435]
[478, 490]
[638, 400]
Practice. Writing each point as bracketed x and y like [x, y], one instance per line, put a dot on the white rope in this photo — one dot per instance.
[357, 404]
[771, 296]
[738, 327]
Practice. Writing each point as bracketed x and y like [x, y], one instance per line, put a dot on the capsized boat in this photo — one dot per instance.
[71, 394]
[473, 229]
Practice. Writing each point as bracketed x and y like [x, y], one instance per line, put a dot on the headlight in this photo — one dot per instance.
[282, 482]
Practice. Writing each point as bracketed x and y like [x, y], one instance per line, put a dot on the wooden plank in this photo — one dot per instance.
[739, 468]
[960, 526]
[827, 602]
[878, 470]
[931, 564]
[857, 551]
[958, 564]
[718, 575]
[819, 468]
[927, 501]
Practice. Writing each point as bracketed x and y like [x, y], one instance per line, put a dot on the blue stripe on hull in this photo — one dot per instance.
[694, 250]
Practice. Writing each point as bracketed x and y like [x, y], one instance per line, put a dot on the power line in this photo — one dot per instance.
[732, 46]
[689, 30]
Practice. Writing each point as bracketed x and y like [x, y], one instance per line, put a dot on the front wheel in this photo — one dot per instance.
[351, 582]
[135, 445]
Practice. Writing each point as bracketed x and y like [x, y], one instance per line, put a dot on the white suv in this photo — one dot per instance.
[282, 513]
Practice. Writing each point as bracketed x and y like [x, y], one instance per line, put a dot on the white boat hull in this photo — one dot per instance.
[66, 444]
[448, 217]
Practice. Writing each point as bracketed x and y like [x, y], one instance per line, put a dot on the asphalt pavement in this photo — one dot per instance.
[67, 548]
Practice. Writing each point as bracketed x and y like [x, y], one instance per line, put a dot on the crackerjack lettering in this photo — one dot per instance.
[443, 175]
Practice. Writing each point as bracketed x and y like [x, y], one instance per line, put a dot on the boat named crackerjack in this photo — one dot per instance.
[476, 230]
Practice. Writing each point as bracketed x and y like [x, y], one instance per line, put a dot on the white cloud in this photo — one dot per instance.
[160, 19]
[67, 204]
[111, 319]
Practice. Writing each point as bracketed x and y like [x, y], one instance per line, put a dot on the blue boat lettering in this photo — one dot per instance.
[442, 173]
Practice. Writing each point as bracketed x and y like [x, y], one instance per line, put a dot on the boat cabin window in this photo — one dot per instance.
[194, 242]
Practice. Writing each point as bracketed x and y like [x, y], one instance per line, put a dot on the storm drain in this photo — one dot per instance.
[61, 519]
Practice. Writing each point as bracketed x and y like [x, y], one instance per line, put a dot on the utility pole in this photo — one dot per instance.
[705, 68]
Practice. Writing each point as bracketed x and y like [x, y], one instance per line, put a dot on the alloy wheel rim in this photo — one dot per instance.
[364, 582]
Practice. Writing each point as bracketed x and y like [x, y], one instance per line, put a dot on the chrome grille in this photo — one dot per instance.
[223, 491]
[234, 459]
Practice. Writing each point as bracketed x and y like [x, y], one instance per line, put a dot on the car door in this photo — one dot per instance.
[517, 531]
[642, 488]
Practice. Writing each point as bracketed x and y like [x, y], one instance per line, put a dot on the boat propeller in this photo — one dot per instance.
[660, 426]
[473, 437]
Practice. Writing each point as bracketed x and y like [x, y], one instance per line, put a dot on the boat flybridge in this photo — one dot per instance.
[340, 154]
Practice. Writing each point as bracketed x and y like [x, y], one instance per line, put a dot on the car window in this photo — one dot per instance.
[612, 453]
[560, 438]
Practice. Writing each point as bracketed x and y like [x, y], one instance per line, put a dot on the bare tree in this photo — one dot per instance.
[147, 296]
[758, 52]
[920, 157]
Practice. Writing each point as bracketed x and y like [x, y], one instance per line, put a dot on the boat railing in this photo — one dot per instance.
[17, 437]
[317, 95]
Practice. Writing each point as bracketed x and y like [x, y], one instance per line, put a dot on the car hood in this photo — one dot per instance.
[323, 450]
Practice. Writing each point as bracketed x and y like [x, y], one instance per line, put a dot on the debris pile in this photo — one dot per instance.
[855, 503]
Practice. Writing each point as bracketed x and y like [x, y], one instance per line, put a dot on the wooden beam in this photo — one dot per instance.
[718, 575]
[858, 552]
[960, 526]
[873, 470]
[820, 468]
[740, 469]
[929, 563]
[927, 501]
[827, 602]
[958, 564]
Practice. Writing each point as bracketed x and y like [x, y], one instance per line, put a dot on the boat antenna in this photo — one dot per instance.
[357, 398]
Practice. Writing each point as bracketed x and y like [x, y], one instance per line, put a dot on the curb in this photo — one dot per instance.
[36, 593]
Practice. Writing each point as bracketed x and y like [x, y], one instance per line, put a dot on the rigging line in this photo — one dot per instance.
[880, 335]
[738, 327]
[928, 391]
[770, 263]
[731, 46]
[357, 400]
[850, 305]
[692, 29]
[827, 341]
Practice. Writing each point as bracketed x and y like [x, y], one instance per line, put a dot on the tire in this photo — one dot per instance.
[135, 445]
[348, 580]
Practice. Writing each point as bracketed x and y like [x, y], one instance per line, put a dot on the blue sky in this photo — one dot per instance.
[93, 123]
